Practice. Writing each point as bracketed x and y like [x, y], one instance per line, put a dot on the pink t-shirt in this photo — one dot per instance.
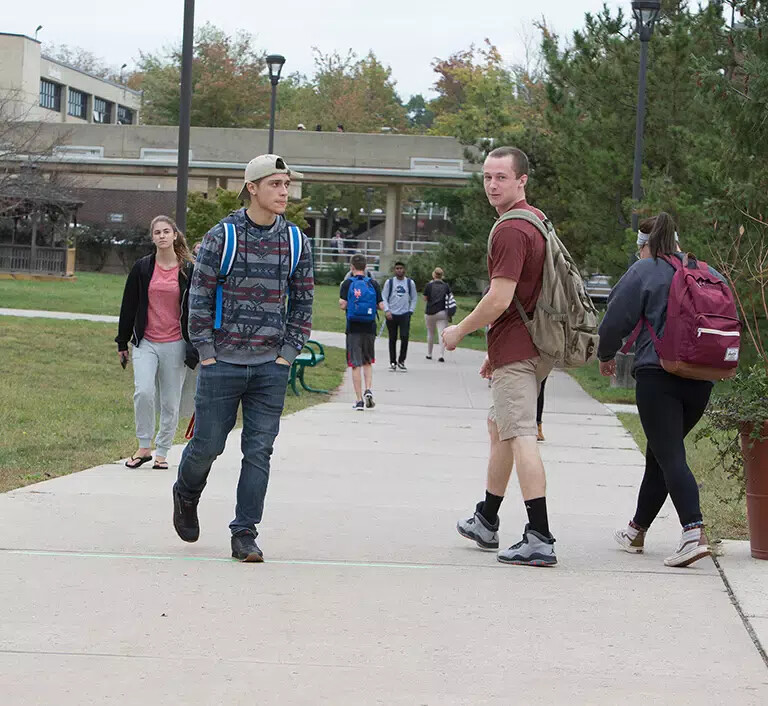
[164, 311]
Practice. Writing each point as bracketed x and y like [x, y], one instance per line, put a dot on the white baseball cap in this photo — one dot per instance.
[263, 166]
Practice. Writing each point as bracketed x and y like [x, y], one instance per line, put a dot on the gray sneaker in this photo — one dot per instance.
[477, 528]
[533, 550]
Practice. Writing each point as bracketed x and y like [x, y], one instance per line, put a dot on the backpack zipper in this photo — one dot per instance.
[716, 332]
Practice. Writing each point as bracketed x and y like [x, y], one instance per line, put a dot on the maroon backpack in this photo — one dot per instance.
[703, 332]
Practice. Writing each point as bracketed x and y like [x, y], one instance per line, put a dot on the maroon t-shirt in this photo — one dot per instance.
[517, 253]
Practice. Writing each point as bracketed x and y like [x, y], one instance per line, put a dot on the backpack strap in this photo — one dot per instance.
[296, 243]
[228, 253]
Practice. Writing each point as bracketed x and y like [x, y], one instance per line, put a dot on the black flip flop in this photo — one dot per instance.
[141, 461]
[161, 466]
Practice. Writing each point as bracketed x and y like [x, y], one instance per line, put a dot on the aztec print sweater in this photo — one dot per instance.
[265, 314]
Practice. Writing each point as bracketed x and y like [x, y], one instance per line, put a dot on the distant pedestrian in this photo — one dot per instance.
[318, 128]
[360, 297]
[153, 318]
[540, 411]
[300, 126]
[436, 315]
[337, 246]
[400, 299]
[670, 406]
[339, 128]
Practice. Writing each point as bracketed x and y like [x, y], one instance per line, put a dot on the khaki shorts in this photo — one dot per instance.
[515, 389]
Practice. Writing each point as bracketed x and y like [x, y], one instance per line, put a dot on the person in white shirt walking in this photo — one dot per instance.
[400, 299]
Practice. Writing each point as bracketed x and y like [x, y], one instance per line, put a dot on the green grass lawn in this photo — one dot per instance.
[723, 507]
[95, 293]
[66, 404]
[599, 387]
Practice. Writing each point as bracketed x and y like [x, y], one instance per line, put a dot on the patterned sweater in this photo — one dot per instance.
[265, 314]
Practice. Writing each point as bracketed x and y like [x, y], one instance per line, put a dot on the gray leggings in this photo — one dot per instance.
[157, 366]
[436, 324]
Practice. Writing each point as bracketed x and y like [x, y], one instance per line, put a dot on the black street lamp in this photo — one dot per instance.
[275, 64]
[369, 197]
[646, 13]
[185, 113]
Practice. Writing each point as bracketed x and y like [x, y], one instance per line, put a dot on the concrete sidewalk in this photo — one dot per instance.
[368, 595]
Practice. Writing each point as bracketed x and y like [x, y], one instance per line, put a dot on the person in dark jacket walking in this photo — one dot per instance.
[266, 317]
[669, 406]
[435, 315]
[153, 317]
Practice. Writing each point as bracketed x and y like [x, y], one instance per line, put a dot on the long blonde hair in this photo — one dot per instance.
[180, 246]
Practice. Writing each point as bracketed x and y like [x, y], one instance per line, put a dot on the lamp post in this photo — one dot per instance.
[369, 198]
[275, 64]
[185, 112]
[646, 13]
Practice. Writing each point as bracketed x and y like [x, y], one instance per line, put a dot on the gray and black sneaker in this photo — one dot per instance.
[185, 520]
[533, 550]
[393, 367]
[479, 530]
[244, 547]
[359, 406]
[368, 399]
[401, 367]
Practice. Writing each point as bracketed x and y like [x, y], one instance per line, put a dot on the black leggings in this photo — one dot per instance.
[669, 407]
[540, 402]
[401, 323]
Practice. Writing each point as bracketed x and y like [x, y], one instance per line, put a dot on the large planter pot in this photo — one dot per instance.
[756, 474]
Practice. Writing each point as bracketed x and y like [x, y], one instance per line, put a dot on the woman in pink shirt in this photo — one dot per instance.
[153, 317]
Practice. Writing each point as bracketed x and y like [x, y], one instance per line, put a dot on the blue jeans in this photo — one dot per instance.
[221, 388]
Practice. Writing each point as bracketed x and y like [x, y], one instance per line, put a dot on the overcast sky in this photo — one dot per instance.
[405, 34]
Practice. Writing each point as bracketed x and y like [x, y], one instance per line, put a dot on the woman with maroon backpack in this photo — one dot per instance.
[687, 334]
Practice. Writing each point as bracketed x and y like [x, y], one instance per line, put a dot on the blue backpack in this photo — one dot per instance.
[229, 251]
[361, 300]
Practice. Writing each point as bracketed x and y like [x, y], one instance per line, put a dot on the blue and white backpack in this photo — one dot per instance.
[229, 251]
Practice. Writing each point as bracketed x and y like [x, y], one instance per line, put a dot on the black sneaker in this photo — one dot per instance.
[244, 547]
[401, 366]
[393, 367]
[368, 398]
[429, 357]
[359, 406]
[185, 520]
[441, 360]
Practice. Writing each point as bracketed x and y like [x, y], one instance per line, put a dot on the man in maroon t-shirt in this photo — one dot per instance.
[515, 266]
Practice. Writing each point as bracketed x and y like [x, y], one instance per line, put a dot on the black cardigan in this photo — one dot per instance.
[133, 311]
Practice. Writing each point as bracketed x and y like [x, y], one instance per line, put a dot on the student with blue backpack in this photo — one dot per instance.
[360, 297]
[688, 335]
[250, 313]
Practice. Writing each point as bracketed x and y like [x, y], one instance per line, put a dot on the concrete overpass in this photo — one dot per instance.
[131, 158]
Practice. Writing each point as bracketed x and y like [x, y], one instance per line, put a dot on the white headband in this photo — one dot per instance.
[642, 238]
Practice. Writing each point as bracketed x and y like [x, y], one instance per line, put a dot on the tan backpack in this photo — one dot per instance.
[564, 326]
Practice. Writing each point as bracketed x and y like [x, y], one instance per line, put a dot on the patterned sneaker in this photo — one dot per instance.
[631, 539]
[693, 546]
[533, 550]
[359, 406]
[401, 367]
[368, 399]
[478, 529]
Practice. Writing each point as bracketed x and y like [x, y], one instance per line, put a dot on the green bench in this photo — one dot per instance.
[308, 358]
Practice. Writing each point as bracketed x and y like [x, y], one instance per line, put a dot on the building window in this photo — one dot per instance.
[50, 95]
[124, 115]
[77, 103]
[102, 111]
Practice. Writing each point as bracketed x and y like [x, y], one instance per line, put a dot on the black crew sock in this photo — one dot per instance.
[537, 515]
[489, 508]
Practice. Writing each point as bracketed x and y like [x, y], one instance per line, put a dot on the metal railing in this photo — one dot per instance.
[18, 258]
[326, 254]
[412, 247]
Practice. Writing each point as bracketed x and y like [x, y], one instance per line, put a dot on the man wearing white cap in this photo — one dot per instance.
[250, 313]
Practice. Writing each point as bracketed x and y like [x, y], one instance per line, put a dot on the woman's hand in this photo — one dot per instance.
[485, 369]
[208, 361]
[123, 355]
[608, 368]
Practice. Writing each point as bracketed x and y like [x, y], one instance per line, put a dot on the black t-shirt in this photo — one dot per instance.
[360, 326]
[435, 293]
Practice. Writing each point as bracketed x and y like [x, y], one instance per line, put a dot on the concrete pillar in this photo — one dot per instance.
[391, 226]
[318, 227]
[224, 183]
[211, 187]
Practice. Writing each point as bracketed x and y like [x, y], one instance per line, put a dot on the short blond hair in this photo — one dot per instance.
[438, 273]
